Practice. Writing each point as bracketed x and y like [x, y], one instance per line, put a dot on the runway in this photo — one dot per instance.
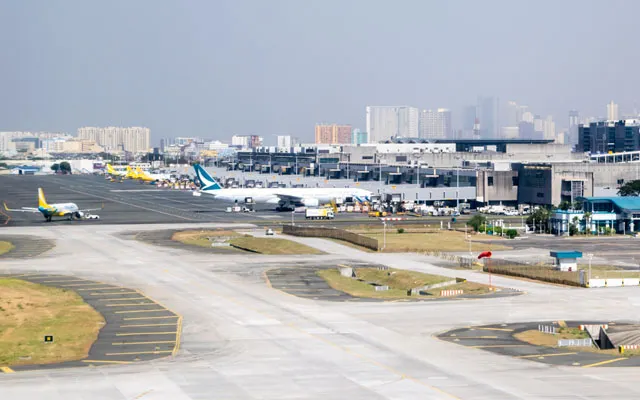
[242, 338]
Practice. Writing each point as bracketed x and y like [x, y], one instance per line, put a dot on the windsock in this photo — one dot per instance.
[484, 254]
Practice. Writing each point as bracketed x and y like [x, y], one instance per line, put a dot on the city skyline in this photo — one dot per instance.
[223, 72]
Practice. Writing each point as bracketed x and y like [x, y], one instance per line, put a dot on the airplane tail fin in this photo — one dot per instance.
[42, 202]
[109, 169]
[206, 181]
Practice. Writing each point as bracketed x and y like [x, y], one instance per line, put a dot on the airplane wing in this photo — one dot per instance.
[23, 209]
[289, 198]
[92, 209]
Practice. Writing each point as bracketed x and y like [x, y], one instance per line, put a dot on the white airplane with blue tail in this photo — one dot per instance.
[283, 198]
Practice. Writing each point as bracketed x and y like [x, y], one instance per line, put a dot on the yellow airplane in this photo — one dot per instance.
[68, 210]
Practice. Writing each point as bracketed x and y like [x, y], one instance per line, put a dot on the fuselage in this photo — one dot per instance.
[278, 195]
[58, 210]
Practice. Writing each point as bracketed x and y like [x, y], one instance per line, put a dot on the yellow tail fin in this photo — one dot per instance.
[42, 202]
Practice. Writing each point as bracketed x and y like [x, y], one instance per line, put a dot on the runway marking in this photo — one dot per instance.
[604, 362]
[140, 311]
[130, 204]
[145, 333]
[139, 318]
[110, 293]
[333, 344]
[66, 280]
[128, 343]
[477, 337]
[138, 352]
[7, 370]
[141, 395]
[101, 287]
[178, 327]
[547, 355]
[489, 346]
[106, 361]
[83, 284]
[123, 298]
[146, 325]
[494, 329]
[130, 304]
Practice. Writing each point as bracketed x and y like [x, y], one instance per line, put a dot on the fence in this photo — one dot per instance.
[334, 233]
[537, 272]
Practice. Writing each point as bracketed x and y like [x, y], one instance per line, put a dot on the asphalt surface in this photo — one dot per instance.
[137, 328]
[500, 339]
[27, 246]
[242, 339]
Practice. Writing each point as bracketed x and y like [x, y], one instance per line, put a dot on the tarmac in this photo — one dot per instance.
[242, 339]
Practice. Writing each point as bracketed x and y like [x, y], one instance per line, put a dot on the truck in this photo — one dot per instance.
[318, 213]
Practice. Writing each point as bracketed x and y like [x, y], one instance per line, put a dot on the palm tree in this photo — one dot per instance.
[587, 219]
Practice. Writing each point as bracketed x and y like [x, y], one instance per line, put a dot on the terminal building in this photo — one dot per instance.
[599, 215]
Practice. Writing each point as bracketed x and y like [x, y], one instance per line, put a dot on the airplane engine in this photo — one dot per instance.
[310, 202]
[78, 214]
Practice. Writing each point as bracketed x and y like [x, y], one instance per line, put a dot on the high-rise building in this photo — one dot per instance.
[468, 120]
[359, 137]
[549, 128]
[435, 124]
[333, 134]
[284, 141]
[572, 134]
[612, 111]
[609, 136]
[246, 141]
[487, 113]
[133, 139]
[385, 122]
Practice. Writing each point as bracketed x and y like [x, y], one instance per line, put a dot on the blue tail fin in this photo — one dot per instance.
[206, 181]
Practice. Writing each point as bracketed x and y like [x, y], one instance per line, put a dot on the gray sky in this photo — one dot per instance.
[223, 67]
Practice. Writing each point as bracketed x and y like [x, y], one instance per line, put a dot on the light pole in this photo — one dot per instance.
[384, 234]
[590, 257]
[457, 188]
[292, 214]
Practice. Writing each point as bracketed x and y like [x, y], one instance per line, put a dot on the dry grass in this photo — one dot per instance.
[29, 311]
[272, 246]
[432, 241]
[399, 282]
[545, 339]
[5, 247]
[201, 237]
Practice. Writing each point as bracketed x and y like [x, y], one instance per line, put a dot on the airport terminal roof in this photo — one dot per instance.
[626, 203]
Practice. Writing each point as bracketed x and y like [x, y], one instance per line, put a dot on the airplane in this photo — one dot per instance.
[151, 177]
[285, 198]
[129, 174]
[69, 210]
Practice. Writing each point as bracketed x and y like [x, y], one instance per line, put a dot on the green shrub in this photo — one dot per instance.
[511, 233]
[400, 230]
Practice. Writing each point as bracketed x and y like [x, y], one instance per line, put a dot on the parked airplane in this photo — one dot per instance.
[128, 173]
[150, 176]
[285, 198]
[69, 210]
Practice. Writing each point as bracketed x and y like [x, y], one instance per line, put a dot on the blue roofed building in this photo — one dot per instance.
[599, 215]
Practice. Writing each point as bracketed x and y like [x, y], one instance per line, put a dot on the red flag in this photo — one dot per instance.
[484, 254]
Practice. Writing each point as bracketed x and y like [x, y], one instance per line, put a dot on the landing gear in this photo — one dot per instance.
[285, 207]
[48, 219]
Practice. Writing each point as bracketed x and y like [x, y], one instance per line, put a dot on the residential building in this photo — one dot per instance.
[359, 137]
[333, 134]
[385, 122]
[612, 111]
[435, 124]
[246, 141]
[549, 128]
[132, 139]
[574, 121]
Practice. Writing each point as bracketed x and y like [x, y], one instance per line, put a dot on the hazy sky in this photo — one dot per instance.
[216, 68]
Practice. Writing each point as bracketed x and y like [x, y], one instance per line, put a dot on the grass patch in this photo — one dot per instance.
[272, 246]
[538, 338]
[433, 240]
[5, 247]
[29, 311]
[399, 282]
[201, 237]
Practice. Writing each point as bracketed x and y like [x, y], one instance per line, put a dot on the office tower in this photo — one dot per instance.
[133, 139]
[385, 122]
[468, 120]
[435, 124]
[333, 134]
[487, 113]
[512, 114]
[246, 141]
[612, 111]
[538, 127]
[574, 120]
[359, 137]
[527, 117]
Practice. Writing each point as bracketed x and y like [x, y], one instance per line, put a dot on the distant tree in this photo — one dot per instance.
[476, 222]
[539, 219]
[565, 205]
[631, 188]
[55, 167]
[65, 167]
